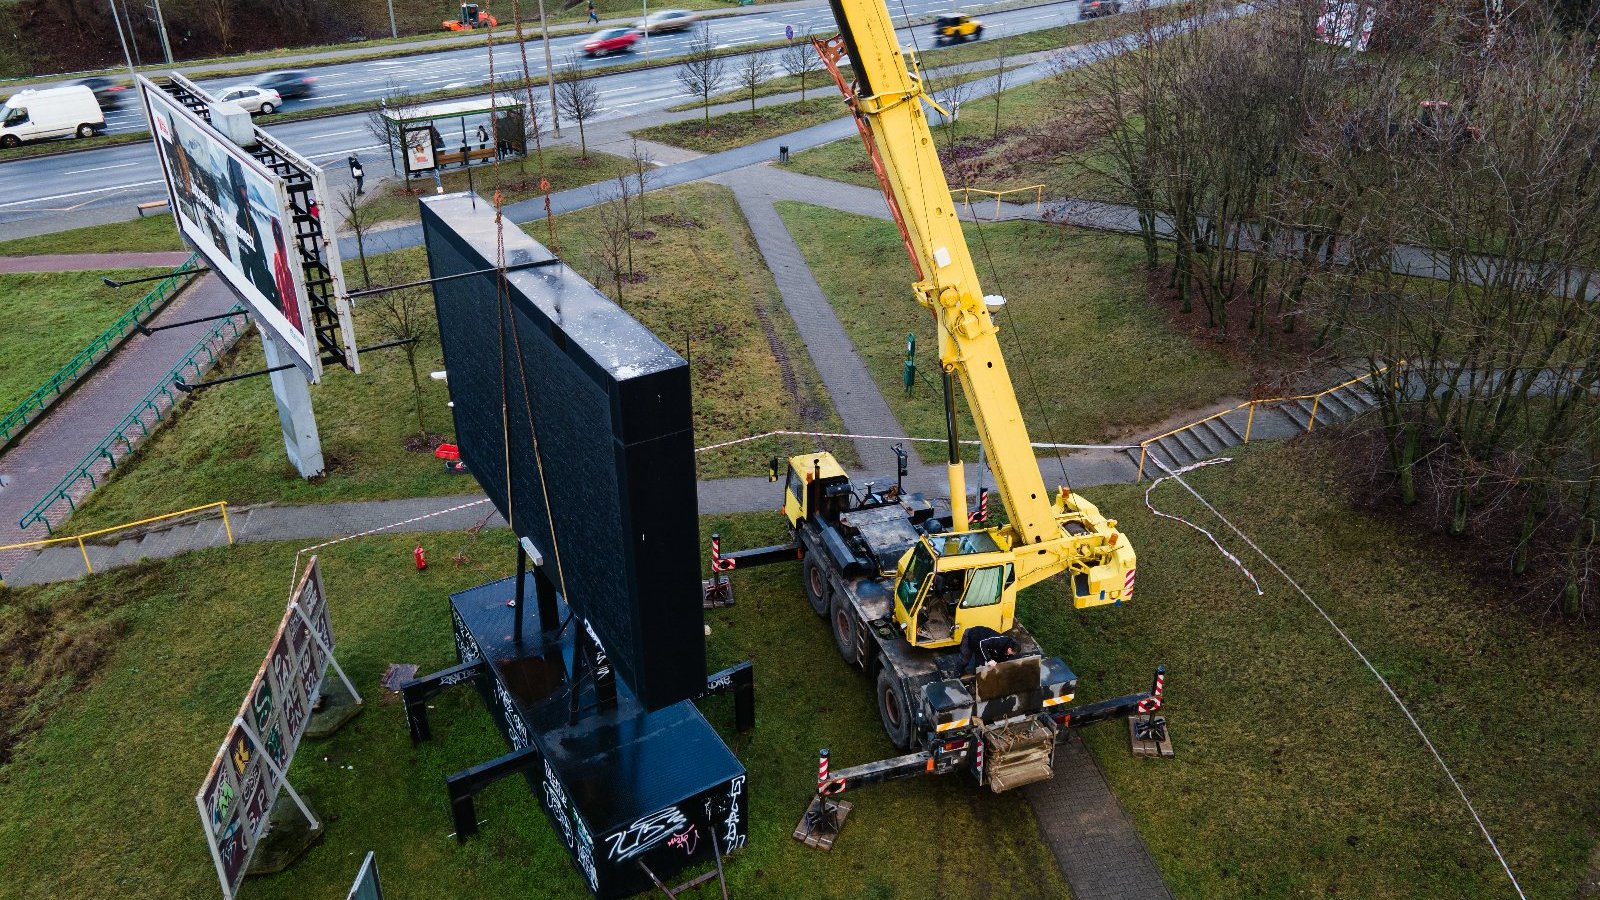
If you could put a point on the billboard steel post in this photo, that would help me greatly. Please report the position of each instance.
(276, 770)
(332, 660)
(292, 390)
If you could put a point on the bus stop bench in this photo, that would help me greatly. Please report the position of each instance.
(151, 206)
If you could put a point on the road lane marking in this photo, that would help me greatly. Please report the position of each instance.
(100, 168)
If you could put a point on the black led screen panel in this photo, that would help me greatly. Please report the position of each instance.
(615, 444)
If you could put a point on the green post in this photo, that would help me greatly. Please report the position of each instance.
(910, 372)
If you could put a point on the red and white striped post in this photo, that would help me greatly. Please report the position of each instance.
(822, 769)
(1153, 702)
(981, 514)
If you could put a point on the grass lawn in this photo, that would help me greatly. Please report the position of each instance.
(129, 744)
(1104, 361)
(48, 318)
(705, 283)
(1037, 143)
(707, 292)
(564, 167)
(736, 129)
(1296, 775)
(152, 232)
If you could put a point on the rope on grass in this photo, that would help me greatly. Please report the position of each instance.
(1209, 536)
(1410, 717)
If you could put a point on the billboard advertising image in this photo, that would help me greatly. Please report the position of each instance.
(237, 214)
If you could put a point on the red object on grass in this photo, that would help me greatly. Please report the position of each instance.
(420, 557)
(447, 451)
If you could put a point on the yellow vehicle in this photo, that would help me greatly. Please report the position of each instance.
(904, 590)
(953, 29)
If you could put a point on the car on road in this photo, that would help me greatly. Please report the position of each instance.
(950, 29)
(37, 115)
(289, 85)
(254, 98)
(1094, 9)
(610, 40)
(666, 20)
(108, 93)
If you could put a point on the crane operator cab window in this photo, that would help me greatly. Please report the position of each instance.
(937, 598)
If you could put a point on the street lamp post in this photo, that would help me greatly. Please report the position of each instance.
(161, 29)
(549, 73)
(393, 31)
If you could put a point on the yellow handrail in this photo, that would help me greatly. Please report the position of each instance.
(221, 505)
(1316, 403)
(967, 192)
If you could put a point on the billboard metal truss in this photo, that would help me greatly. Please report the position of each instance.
(309, 196)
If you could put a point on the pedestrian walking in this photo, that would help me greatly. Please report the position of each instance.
(594, 15)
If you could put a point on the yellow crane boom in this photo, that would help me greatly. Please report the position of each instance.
(1047, 535)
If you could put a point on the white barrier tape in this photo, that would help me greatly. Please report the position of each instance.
(1209, 536)
(888, 437)
(294, 571)
(1415, 725)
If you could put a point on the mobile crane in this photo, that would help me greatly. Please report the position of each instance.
(901, 586)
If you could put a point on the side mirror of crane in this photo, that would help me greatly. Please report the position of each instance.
(772, 469)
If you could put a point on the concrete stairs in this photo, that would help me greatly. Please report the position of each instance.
(1272, 420)
(63, 562)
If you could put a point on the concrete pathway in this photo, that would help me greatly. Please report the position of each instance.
(86, 262)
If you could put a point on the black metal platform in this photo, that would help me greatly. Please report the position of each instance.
(622, 785)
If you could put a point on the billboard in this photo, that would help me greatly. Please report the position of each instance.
(237, 214)
(235, 800)
(1337, 24)
(607, 489)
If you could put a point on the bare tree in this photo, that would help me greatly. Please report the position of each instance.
(220, 13)
(358, 220)
(753, 69)
(642, 164)
(396, 103)
(800, 59)
(615, 226)
(702, 72)
(400, 315)
(953, 87)
(998, 82)
(577, 97)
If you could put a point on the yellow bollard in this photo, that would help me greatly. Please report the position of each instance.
(1317, 401)
(225, 525)
(1143, 449)
(1249, 421)
(85, 551)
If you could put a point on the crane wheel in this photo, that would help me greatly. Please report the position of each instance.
(893, 709)
(816, 582)
(844, 627)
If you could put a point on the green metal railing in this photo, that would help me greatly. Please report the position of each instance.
(118, 444)
(65, 377)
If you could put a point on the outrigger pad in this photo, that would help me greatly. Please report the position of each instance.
(1149, 736)
(715, 593)
(822, 822)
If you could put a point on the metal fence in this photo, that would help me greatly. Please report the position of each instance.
(62, 381)
(221, 506)
(137, 424)
(1250, 419)
(1037, 190)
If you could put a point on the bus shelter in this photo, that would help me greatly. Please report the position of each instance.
(438, 136)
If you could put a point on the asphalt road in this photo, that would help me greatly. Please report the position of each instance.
(129, 174)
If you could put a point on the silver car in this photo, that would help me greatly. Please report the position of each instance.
(255, 99)
(666, 20)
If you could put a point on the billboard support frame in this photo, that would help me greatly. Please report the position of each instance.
(332, 660)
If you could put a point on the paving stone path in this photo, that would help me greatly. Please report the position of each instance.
(82, 262)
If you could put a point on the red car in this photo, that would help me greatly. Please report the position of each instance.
(610, 40)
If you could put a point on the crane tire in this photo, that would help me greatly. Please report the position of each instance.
(893, 709)
(843, 620)
(816, 584)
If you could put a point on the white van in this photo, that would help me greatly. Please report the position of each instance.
(50, 113)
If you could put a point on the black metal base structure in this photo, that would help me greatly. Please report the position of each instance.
(621, 785)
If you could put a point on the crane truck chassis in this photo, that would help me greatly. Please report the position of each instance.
(891, 579)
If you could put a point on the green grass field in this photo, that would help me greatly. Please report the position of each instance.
(1295, 774)
(702, 283)
(708, 293)
(99, 802)
(152, 232)
(48, 318)
(1103, 361)
(736, 129)
(1036, 144)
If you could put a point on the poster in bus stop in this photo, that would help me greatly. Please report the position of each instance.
(235, 800)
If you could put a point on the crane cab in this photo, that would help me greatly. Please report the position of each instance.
(815, 487)
(953, 581)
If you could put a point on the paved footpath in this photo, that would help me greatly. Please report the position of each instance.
(78, 422)
(84, 262)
